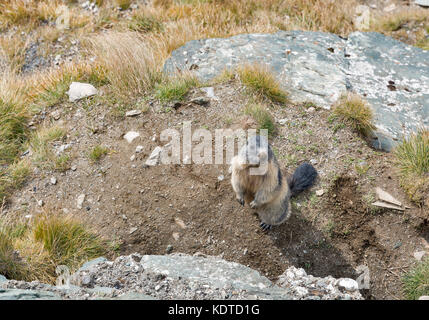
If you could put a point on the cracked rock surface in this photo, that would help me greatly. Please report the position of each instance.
(316, 66)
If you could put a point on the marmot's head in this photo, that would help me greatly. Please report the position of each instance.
(255, 152)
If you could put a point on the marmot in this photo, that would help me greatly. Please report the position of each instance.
(269, 193)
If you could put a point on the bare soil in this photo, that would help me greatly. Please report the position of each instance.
(190, 208)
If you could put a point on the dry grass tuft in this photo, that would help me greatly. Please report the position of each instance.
(260, 81)
(32, 250)
(262, 116)
(412, 159)
(355, 112)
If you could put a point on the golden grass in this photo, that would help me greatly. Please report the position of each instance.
(355, 112)
(260, 80)
(411, 157)
(32, 250)
(131, 65)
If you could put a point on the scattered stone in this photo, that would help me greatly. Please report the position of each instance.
(424, 297)
(169, 248)
(176, 236)
(311, 110)
(201, 101)
(132, 157)
(313, 161)
(210, 92)
(80, 200)
(320, 192)
(397, 245)
(390, 8)
(79, 90)
(154, 157)
(180, 223)
(348, 284)
(132, 113)
(139, 149)
(131, 135)
(419, 255)
(283, 121)
(386, 205)
(56, 114)
(221, 177)
(62, 148)
(132, 230)
(386, 197)
(73, 168)
(53, 180)
(40, 203)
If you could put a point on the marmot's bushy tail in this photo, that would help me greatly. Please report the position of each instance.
(303, 178)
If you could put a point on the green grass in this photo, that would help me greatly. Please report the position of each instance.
(41, 145)
(411, 157)
(353, 111)
(175, 89)
(416, 281)
(32, 250)
(262, 116)
(97, 153)
(145, 23)
(13, 130)
(13, 177)
(260, 81)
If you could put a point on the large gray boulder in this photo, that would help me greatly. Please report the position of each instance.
(319, 67)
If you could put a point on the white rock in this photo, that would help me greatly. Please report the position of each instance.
(139, 149)
(320, 192)
(423, 3)
(301, 291)
(80, 200)
(79, 90)
(131, 135)
(154, 157)
(133, 113)
(390, 8)
(221, 177)
(132, 230)
(311, 109)
(419, 255)
(132, 157)
(424, 298)
(210, 92)
(282, 121)
(347, 284)
(40, 203)
(53, 180)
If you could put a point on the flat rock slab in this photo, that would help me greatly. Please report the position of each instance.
(215, 272)
(20, 294)
(318, 67)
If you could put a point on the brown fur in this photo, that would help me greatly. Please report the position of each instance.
(262, 192)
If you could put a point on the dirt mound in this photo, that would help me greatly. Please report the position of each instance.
(192, 208)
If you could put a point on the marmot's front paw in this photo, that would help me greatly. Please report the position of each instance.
(253, 204)
(241, 201)
(265, 227)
